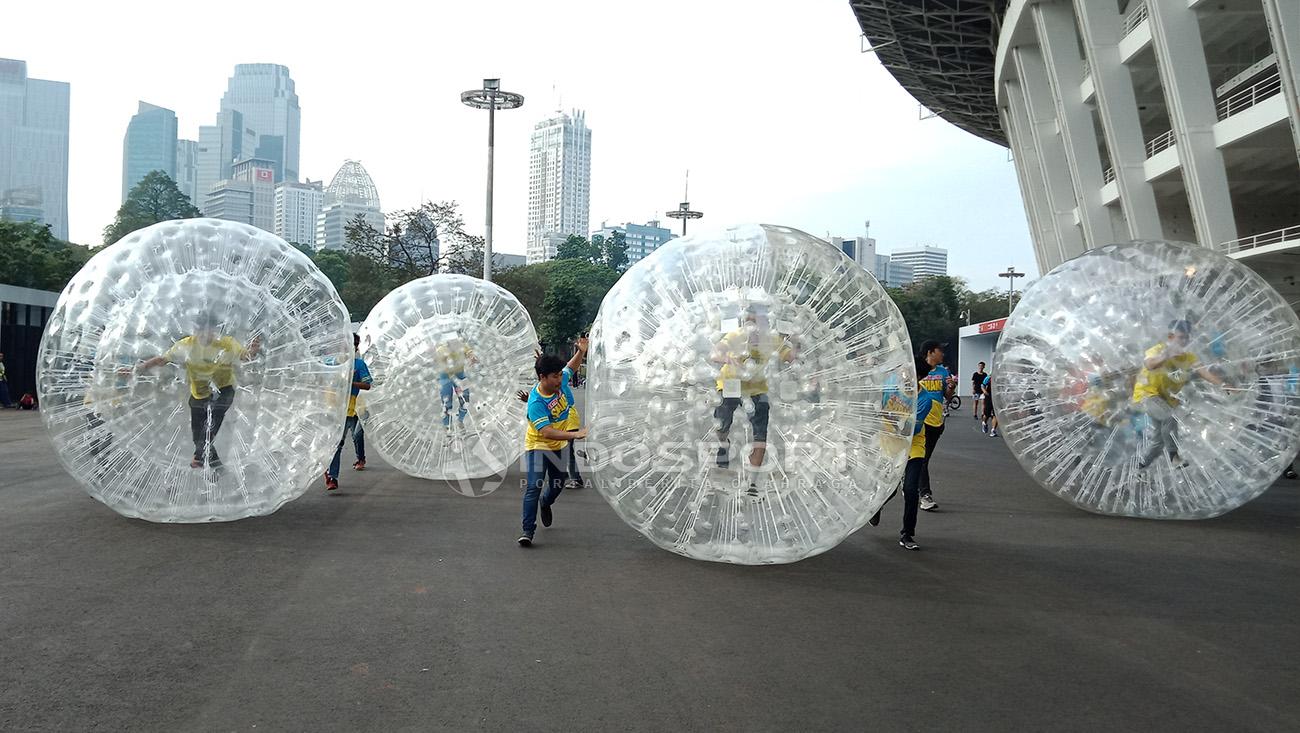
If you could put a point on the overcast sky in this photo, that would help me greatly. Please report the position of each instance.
(770, 104)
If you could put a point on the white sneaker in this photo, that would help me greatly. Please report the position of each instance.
(928, 504)
(993, 433)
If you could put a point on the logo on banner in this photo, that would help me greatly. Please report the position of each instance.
(265, 174)
(993, 326)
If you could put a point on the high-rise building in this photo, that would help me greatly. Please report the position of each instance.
(926, 261)
(297, 206)
(641, 239)
(149, 145)
(248, 196)
(861, 250)
(34, 145)
(220, 146)
(351, 193)
(891, 274)
(264, 94)
(559, 183)
(187, 169)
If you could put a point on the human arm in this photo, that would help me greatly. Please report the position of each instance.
(254, 348)
(361, 376)
(522, 395)
(576, 360)
(550, 432)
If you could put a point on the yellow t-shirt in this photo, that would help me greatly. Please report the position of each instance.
(543, 410)
(1166, 380)
(453, 358)
(739, 345)
(207, 364)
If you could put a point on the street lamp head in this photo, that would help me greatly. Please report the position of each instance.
(491, 97)
(492, 84)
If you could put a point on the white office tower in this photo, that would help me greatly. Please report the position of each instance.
(927, 261)
(861, 250)
(559, 183)
(187, 169)
(248, 196)
(297, 206)
(351, 193)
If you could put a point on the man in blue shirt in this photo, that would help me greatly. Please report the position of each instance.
(549, 408)
(360, 380)
(935, 386)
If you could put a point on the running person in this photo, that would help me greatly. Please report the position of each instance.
(977, 390)
(360, 380)
(936, 386)
(548, 410)
(209, 360)
(452, 358)
(1166, 369)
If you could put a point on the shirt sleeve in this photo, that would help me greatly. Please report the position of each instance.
(361, 372)
(566, 376)
(538, 416)
(175, 353)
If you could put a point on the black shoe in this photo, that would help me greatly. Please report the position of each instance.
(546, 516)
(1290, 473)
(525, 539)
(907, 543)
(723, 460)
(875, 519)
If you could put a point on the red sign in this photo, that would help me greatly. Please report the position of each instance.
(265, 174)
(993, 326)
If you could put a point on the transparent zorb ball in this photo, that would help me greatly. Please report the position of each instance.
(447, 354)
(752, 396)
(1151, 379)
(196, 370)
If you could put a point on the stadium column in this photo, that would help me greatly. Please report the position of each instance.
(1185, 76)
(1058, 43)
(1041, 112)
(1101, 28)
(1029, 169)
(1284, 33)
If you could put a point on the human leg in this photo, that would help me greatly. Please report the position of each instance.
(723, 415)
(445, 390)
(535, 464)
(359, 440)
(758, 422)
(932, 434)
(911, 497)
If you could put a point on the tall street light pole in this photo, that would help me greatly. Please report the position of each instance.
(491, 98)
(1011, 276)
(683, 210)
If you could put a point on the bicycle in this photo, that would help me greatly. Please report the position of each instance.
(952, 405)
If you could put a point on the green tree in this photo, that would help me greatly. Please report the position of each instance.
(155, 198)
(932, 310)
(529, 284)
(416, 242)
(336, 265)
(31, 257)
(609, 251)
(572, 300)
(987, 305)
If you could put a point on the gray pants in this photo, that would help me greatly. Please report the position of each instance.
(1160, 431)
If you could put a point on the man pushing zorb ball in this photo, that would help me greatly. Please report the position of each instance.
(196, 370)
(1151, 379)
(751, 396)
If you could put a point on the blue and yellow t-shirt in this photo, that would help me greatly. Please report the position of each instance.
(360, 373)
(929, 396)
(553, 409)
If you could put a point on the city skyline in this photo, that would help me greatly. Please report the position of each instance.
(559, 183)
(820, 169)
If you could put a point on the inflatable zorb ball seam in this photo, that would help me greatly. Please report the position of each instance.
(1151, 379)
(758, 337)
(197, 370)
(447, 354)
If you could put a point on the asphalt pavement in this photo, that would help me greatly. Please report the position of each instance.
(396, 604)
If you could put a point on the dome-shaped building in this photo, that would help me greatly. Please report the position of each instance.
(351, 193)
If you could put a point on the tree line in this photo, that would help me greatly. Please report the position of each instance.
(561, 295)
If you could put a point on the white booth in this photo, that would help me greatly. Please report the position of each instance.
(976, 343)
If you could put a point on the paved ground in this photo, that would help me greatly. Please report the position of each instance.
(398, 605)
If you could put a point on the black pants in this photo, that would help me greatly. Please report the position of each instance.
(206, 416)
(931, 439)
(573, 461)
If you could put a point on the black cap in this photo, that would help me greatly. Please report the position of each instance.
(930, 345)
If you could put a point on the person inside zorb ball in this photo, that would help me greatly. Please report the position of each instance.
(751, 396)
(1151, 379)
(447, 354)
(193, 371)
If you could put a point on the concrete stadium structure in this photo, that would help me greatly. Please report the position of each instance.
(1136, 119)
